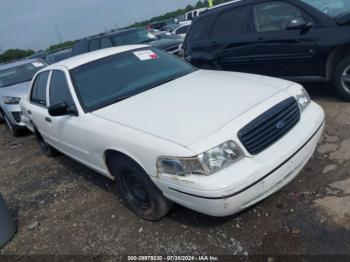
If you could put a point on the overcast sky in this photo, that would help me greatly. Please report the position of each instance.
(31, 23)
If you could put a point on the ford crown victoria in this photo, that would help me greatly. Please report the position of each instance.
(215, 142)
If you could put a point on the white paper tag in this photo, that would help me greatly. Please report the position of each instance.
(146, 55)
(37, 64)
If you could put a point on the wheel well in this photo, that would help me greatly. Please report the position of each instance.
(335, 57)
(37, 134)
(110, 154)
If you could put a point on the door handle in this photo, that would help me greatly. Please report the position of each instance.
(29, 112)
(48, 119)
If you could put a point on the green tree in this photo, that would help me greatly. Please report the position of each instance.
(13, 54)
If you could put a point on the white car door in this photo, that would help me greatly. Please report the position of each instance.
(37, 112)
(67, 133)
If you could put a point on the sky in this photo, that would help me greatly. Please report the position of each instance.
(30, 24)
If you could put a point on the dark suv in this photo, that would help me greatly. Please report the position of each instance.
(301, 40)
(126, 37)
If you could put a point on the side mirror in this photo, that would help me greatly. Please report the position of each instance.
(62, 109)
(296, 23)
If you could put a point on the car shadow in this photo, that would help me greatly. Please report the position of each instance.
(86, 173)
(178, 214)
(321, 91)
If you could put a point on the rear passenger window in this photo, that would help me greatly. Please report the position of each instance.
(38, 94)
(232, 23)
(200, 29)
(106, 42)
(94, 45)
(59, 89)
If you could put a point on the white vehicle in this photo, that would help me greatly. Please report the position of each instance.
(181, 31)
(215, 142)
(192, 14)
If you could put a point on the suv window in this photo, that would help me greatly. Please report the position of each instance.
(38, 94)
(199, 29)
(231, 23)
(182, 30)
(106, 42)
(59, 89)
(80, 48)
(274, 16)
(94, 45)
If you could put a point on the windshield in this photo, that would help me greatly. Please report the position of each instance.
(133, 37)
(114, 78)
(333, 8)
(19, 74)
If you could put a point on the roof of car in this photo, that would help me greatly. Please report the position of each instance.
(17, 63)
(85, 58)
(111, 33)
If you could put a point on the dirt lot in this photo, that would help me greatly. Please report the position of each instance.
(61, 207)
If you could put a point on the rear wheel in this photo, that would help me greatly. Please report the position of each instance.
(47, 150)
(13, 129)
(137, 190)
(342, 79)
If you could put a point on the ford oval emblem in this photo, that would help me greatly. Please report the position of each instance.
(280, 124)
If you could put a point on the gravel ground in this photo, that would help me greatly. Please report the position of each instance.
(63, 208)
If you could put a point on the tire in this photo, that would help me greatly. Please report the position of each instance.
(137, 191)
(1, 116)
(341, 79)
(13, 129)
(46, 149)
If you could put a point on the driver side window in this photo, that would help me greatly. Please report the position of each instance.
(59, 89)
(274, 16)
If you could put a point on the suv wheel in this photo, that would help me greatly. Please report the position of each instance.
(14, 131)
(2, 118)
(137, 190)
(342, 79)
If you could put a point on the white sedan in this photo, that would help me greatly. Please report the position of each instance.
(215, 142)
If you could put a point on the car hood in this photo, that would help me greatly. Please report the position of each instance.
(166, 43)
(19, 90)
(192, 107)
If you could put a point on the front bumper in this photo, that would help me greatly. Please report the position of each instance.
(251, 179)
(14, 114)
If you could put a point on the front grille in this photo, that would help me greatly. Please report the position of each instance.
(269, 127)
(17, 116)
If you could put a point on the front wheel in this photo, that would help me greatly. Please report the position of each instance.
(138, 191)
(342, 79)
(14, 131)
(2, 118)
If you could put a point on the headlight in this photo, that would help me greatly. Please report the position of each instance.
(303, 99)
(10, 100)
(206, 163)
